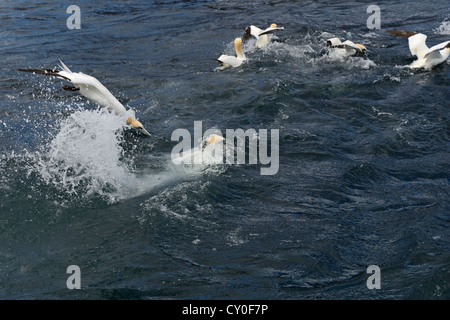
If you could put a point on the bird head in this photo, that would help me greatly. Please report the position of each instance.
(238, 48)
(273, 25)
(138, 126)
(363, 48)
(214, 138)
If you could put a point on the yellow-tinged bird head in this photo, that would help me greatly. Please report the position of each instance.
(273, 25)
(238, 47)
(214, 138)
(137, 125)
(363, 48)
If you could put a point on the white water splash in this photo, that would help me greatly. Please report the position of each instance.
(312, 51)
(86, 159)
(444, 28)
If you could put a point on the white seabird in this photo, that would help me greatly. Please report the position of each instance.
(263, 37)
(426, 57)
(232, 61)
(92, 89)
(212, 139)
(348, 47)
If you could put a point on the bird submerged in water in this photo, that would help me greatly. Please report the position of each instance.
(427, 58)
(348, 47)
(92, 89)
(232, 61)
(263, 37)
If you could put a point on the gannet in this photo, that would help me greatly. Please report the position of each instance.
(263, 37)
(426, 57)
(232, 61)
(92, 89)
(212, 139)
(348, 47)
(204, 153)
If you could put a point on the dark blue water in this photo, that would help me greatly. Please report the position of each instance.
(363, 173)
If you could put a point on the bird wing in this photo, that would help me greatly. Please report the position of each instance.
(401, 33)
(348, 45)
(417, 45)
(416, 41)
(433, 55)
(440, 46)
(270, 30)
(333, 42)
(47, 72)
(92, 89)
(255, 31)
(88, 86)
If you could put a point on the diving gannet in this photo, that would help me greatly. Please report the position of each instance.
(348, 47)
(232, 61)
(263, 37)
(426, 57)
(92, 89)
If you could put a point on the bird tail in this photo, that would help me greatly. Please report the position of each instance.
(64, 67)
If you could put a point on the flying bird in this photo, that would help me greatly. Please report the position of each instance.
(263, 37)
(232, 61)
(92, 89)
(427, 58)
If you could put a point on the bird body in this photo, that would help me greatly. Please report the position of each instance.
(263, 37)
(232, 61)
(427, 58)
(348, 47)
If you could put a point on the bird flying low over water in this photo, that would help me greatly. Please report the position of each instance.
(426, 57)
(92, 89)
(263, 37)
(349, 47)
(232, 61)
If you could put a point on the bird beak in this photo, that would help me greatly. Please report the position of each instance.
(143, 131)
(138, 126)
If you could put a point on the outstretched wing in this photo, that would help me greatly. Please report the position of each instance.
(349, 45)
(416, 41)
(87, 85)
(401, 33)
(270, 30)
(417, 45)
(47, 72)
(440, 46)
